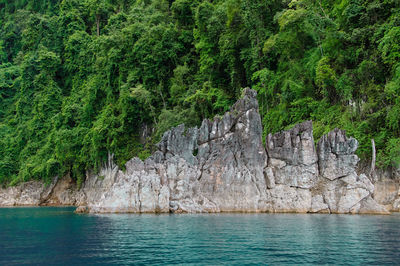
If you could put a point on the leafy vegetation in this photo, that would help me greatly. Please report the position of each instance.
(80, 79)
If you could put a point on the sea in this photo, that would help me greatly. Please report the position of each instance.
(58, 236)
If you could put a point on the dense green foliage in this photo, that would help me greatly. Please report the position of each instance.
(80, 78)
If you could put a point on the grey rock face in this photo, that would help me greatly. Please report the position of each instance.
(179, 142)
(341, 188)
(370, 204)
(292, 159)
(217, 167)
(222, 167)
(25, 194)
(61, 191)
(34, 193)
(294, 146)
(283, 198)
(231, 161)
(336, 154)
(301, 178)
(137, 190)
(318, 205)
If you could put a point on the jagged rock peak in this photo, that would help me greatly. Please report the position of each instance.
(246, 102)
(185, 142)
(338, 143)
(295, 146)
(179, 141)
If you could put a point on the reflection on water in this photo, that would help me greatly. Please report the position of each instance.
(58, 236)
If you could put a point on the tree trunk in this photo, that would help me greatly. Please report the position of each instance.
(373, 161)
(98, 24)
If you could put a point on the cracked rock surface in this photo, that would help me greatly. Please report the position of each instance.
(222, 167)
(292, 158)
(341, 188)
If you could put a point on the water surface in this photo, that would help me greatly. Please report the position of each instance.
(58, 236)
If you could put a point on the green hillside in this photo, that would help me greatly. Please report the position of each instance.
(80, 78)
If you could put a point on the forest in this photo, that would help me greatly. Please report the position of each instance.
(80, 79)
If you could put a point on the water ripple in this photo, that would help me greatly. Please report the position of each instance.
(57, 236)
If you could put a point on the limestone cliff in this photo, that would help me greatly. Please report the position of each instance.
(223, 167)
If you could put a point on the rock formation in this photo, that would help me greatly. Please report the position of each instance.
(341, 189)
(26, 194)
(292, 168)
(217, 167)
(222, 167)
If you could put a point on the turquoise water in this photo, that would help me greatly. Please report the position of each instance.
(58, 236)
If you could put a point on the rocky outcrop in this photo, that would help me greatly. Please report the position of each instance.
(63, 191)
(139, 189)
(60, 192)
(292, 168)
(341, 189)
(222, 167)
(217, 167)
(302, 178)
(25, 194)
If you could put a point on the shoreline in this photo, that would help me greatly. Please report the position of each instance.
(198, 213)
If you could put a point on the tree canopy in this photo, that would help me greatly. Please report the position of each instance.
(80, 79)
